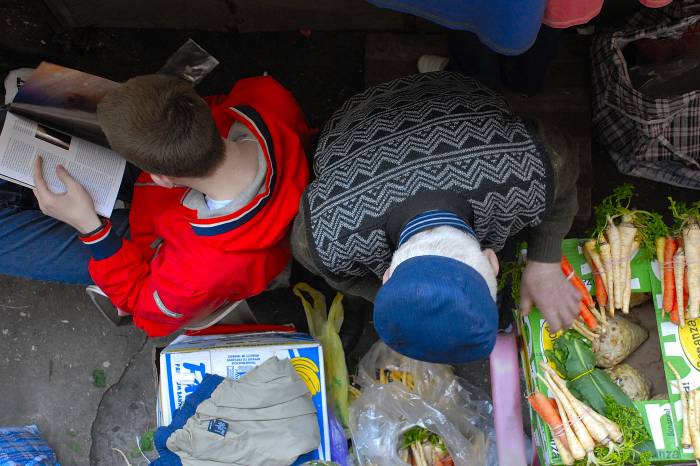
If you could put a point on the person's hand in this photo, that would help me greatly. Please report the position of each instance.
(545, 286)
(74, 207)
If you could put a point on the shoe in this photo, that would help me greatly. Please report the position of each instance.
(428, 63)
(111, 312)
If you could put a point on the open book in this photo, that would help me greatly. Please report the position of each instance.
(54, 116)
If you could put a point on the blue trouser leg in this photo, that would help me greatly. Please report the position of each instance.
(36, 246)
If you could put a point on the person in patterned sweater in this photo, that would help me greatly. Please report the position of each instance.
(419, 182)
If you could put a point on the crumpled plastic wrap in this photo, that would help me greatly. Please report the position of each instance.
(436, 400)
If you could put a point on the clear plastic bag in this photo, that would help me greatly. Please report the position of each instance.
(436, 400)
(190, 62)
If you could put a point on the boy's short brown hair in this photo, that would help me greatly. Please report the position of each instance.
(160, 124)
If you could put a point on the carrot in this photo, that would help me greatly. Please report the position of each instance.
(547, 408)
(678, 269)
(600, 294)
(606, 256)
(691, 241)
(669, 293)
(587, 316)
(575, 280)
(673, 315)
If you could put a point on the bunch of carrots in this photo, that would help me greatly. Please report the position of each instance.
(679, 256)
(576, 428)
(593, 319)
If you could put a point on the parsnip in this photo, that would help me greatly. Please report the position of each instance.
(691, 242)
(616, 249)
(684, 407)
(564, 453)
(628, 277)
(678, 271)
(596, 430)
(606, 256)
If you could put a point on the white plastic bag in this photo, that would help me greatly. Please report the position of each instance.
(436, 400)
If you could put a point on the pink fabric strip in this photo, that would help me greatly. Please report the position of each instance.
(562, 14)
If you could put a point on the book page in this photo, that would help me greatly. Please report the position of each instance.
(98, 169)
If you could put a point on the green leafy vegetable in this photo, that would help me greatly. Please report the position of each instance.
(683, 213)
(635, 439)
(613, 205)
(650, 225)
(418, 434)
(575, 359)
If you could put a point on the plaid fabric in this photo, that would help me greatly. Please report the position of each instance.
(23, 446)
(653, 138)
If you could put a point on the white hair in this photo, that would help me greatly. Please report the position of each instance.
(449, 242)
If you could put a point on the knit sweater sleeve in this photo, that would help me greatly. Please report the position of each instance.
(545, 239)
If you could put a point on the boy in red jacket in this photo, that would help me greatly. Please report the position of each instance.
(210, 212)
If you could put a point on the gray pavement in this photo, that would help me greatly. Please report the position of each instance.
(51, 341)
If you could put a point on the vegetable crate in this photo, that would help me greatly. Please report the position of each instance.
(680, 346)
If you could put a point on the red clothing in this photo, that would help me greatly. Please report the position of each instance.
(178, 266)
(562, 14)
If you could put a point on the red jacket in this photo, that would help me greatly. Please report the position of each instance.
(177, 266)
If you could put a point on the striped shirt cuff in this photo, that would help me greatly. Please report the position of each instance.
(103, 242)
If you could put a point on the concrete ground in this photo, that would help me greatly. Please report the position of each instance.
(51, 338)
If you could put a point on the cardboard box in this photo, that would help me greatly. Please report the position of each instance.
(682, 348)
(184, 362)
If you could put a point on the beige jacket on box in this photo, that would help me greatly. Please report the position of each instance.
(267, 418)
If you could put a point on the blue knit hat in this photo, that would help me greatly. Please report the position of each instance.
(437, 309)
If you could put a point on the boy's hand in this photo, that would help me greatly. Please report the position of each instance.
(74, 207)
(545, 286)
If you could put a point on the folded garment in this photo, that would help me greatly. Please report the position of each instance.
(266, 418)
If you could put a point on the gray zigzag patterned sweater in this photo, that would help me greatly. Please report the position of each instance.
(427, 141)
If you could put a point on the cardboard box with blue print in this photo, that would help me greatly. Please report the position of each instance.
(184, 362)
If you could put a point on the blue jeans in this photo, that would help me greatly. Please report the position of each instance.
(36, 246)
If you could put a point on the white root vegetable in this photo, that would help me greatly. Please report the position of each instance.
(613, 429)
(564, 453)
(575, 447)
(678, 271)
(691, 241)
(628, 277)
(616, 250)
(684, 407)
(596, 430)
(606, 256)
(693, 424)
(584, 331)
